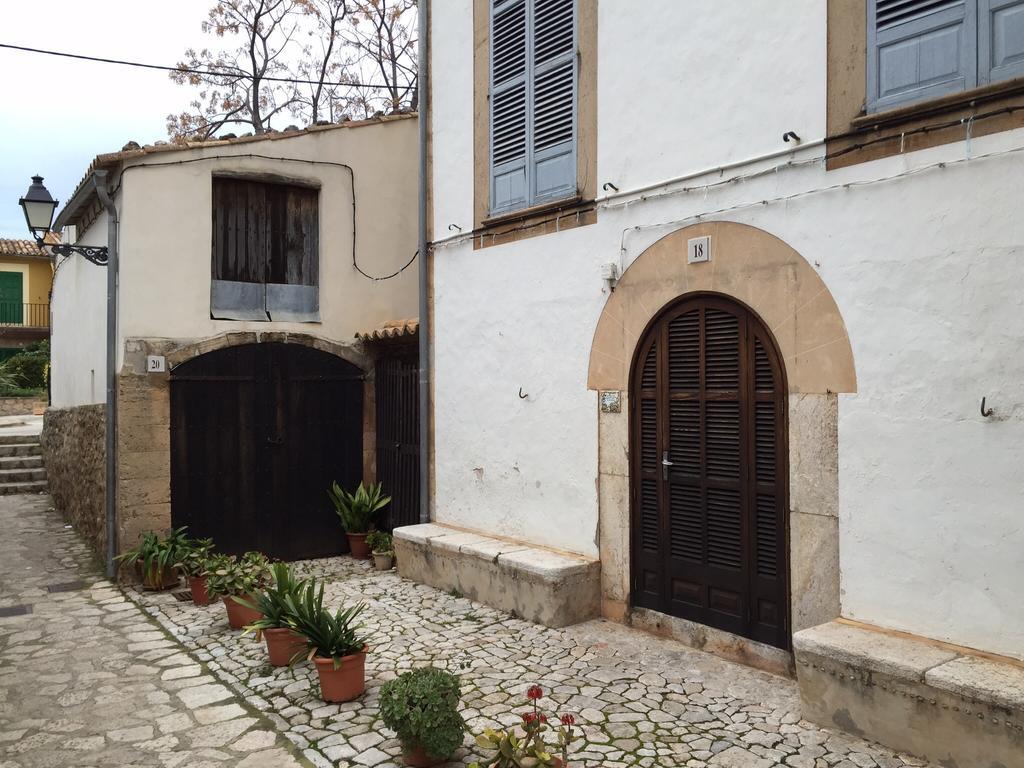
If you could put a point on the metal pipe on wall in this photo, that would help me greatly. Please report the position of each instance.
(424, 273)
(100, 181)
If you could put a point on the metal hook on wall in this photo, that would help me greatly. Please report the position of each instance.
(522, 395)
(985, 413)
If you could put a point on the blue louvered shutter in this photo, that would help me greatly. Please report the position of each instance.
(509, 105)
(532, 102)
(554, 100)
(920, 49)
(1001, 40)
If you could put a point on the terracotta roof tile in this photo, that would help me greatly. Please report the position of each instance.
(10, 247)
(393, 329)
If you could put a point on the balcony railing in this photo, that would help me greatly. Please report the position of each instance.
(24, 315)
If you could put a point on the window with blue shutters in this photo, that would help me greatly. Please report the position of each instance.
(533, 86)
(923, 49)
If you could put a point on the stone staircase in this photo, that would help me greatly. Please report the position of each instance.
(21, 465)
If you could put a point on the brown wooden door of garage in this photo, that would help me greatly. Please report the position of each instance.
(709, 471)
(258, 433)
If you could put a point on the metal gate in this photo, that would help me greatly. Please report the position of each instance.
(398, 437)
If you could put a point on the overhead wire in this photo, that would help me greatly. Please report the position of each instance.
(185, 70)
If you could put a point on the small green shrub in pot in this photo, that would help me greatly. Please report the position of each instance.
(422, 707)
(358, 511)
(382, 548)
(157, 558)
(284, 644)
(194, 561)
(235, 578)
(335, 642)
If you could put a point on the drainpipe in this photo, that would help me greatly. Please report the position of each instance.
(424, 329)
(100, 180)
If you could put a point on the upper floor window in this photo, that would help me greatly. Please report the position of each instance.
(533, 102)
(265, 251)
(921, 49)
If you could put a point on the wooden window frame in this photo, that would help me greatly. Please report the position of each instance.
(854, 136)
(284, 299)
(577, 208)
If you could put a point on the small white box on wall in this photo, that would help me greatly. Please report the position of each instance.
(156, 364)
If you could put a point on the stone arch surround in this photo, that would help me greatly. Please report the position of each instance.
(778, 284)
(144, 417)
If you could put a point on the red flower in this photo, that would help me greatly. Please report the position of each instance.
(533, 717)
(568, 719)
(534, 692)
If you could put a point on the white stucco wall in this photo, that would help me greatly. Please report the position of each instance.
(926, 269)
(166, 230)
(78, 339)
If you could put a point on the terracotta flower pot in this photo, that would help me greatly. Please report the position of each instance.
(383, 561)
(199, 594)
(357, 546)
(283, 645)
(345, 683)
(239, 615)
(157, 579)
(417, 758)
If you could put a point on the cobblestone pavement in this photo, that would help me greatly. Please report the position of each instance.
(643, 701)
(87, 679)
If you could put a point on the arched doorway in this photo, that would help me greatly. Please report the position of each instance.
(710, 470)
(258, 432)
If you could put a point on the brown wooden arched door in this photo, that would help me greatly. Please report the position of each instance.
(258, 433)
(710, 470)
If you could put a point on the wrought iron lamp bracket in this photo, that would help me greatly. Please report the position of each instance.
(96, 254)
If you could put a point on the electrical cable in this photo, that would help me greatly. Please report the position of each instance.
(183, 70)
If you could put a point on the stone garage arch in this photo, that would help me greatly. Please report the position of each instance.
(786, 292)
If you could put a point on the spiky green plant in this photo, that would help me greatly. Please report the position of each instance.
(154, 554)
(272, 601)
(328, 635)
(358, 510)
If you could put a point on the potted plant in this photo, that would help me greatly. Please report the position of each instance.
(284, 644)
(381, 546)
(194, 563)
(530, 747)
(155, 558)
(357, 512)
(235, 580)
(422, 707)
(334, 642)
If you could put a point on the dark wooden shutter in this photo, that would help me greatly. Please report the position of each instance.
(709, 489)
(920, 49)
(265, 251)
(533, 78)
(1001, 40)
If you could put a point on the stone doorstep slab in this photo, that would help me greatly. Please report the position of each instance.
(973, 677)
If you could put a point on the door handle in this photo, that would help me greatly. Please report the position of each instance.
(665, 464)
(275, 441)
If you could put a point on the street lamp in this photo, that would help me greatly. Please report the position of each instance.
(39, 206)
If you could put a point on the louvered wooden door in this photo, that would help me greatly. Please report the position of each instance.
(710, 472)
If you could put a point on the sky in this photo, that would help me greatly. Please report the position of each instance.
(57, 114)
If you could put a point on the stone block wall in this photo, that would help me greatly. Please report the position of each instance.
(75, 456)
(21, 406)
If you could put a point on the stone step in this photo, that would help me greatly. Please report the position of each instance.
(21, 462)
(18, 439)
(8, 489)
(22, 475)
(21, 449)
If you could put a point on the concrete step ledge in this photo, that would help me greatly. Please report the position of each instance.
(947, 704)
(16, 439)
(538, 584)
(21, 462)
(31, 486)
(21, 449)
(8, 475)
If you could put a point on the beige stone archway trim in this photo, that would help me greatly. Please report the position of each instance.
(747, 264)
(184, 352)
